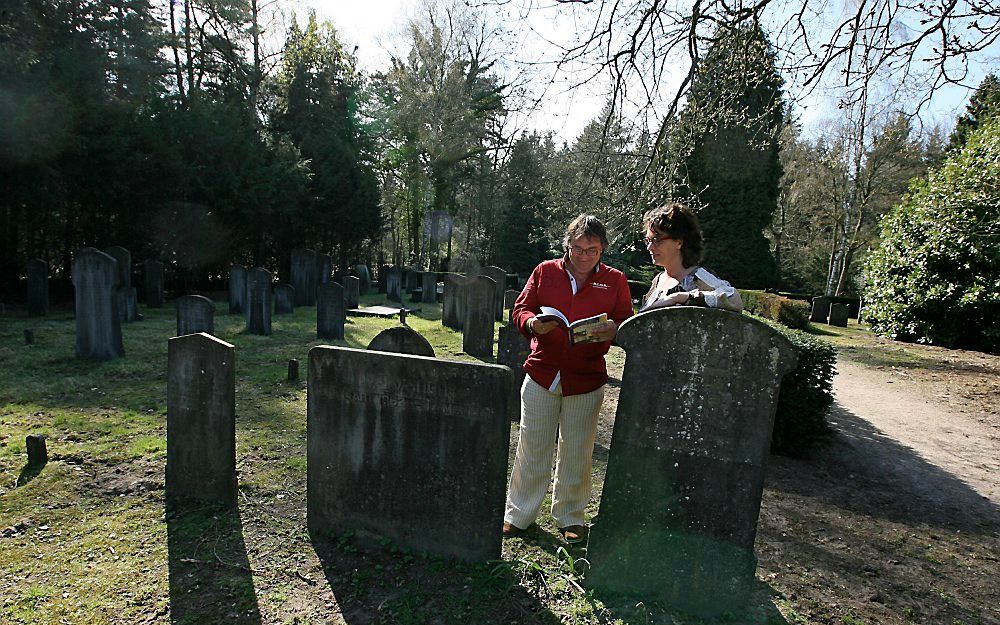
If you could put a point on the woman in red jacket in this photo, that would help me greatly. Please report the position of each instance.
(564, 385)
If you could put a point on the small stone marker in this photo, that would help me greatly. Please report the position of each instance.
(365, 276)
(330, 312)
(428, 287)
(195, 313)
(838, 315)
(500, 277)
(284, 299)
(678, 514)
(152, 274)
(38, 288)
(480, 317)
(352, 291)
(304, 280)
(201, 419)
(34, 444)
(409, 449)
(29, 337)
(258, 314)
(453, 301)
(324, 267)
(293, 370)
(820, 309)
(393, 285)
(402, 316)
(402, 339)
(237, 290)
(98, 325)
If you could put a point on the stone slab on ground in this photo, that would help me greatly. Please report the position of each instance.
(380, 311)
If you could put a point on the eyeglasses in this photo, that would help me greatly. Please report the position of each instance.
(656, 240)
(590, 251)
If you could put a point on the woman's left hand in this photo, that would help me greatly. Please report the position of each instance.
(607, 332)
(674, 299)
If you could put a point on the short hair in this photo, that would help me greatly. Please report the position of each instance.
(585, 226)
(676, 221)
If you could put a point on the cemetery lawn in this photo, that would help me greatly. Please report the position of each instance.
(87, 539)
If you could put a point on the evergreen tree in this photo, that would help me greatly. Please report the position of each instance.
(523, 242)
(984, 104)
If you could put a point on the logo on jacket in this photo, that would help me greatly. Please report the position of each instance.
(600, 285)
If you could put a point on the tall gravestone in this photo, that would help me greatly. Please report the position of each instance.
(394, 285)
(304, 277)
(820, 309)
(428, 287)
(409, 449)
(330, 312)
(98, 324)
(480, 316)
(678, 513)
(383, 272)
(324, 268)
(512, 350)
(195, 313)
(201, 419)
(411, 279)
(258, 315)
(237, 290)
(128, 308)
(500, 277)
(838, 315)
(509, 297)
(453, 301)
(152, 274)
(38, 287)
(284, 299)
(352, 291)
(402, 339)
(365, 276)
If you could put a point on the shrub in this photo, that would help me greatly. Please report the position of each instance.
(789, 313)
(800, 423)
(933, 278)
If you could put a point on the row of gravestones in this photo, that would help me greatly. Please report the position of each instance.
(252, 293)
(415, 449)
(825, 310)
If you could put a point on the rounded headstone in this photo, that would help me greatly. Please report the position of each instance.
(401, 340)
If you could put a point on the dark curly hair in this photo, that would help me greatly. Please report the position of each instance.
(676, 221)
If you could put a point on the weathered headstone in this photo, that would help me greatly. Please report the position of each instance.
(284, 299)
(304, 277)
(428, 287)
(330, 311)
(465, 265)
(394, 285)
(29, 337)
(34, 444)
(153, 276)
(258, 315)
(509, 297)
(681, 498)
(412, 278)
(838, 315)
(382, 274)
(453, 301)
(293, 370)
(365, 276)
(500, 277)
(128, 308)
(195, 313)
(480, 316)
(237, 290)
(38, 287)
(409, 449)
(402, 339)
(201, 419)
(98, 325)
(820, 310)
(352, 291)
(512, 350)
(324, 267)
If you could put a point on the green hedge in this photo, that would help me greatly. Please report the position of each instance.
(800, 423)
(788, 312)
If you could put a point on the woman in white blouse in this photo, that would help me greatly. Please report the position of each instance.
(675, 243)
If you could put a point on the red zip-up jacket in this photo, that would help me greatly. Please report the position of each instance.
(582, 366)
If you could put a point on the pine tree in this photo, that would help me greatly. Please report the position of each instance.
(983, 104)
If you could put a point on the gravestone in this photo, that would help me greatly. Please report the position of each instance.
(98, 324)
(293, 370)
(38, 287)
(393, 285)
(509, 297)
(512, 350)
(820, 310)
(453, 301)
(195, 313)
(465, 265)
(428, 287)
(352, 291)
(678, 513)
(330, 312)
(480, 316)
(324, 267)
(201, 419)
(412, 280)
(838, 315)
(153, 276)
(402, 339)
(365, 276)
(500, 277)
(128, 309)
(38, 455)
(382, 273)
(258, 315)
(237, 290)
(303, 272)
(407, 449)
(284, 299)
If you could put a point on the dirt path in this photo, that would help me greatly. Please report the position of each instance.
(903, 424)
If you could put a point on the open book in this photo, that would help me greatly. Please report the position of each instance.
(581, 330)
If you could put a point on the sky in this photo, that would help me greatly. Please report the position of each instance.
(377, 28)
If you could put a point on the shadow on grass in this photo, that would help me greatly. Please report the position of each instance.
(28, 473)
(210, 576)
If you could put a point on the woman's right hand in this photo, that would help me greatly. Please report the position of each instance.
(539, 328)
